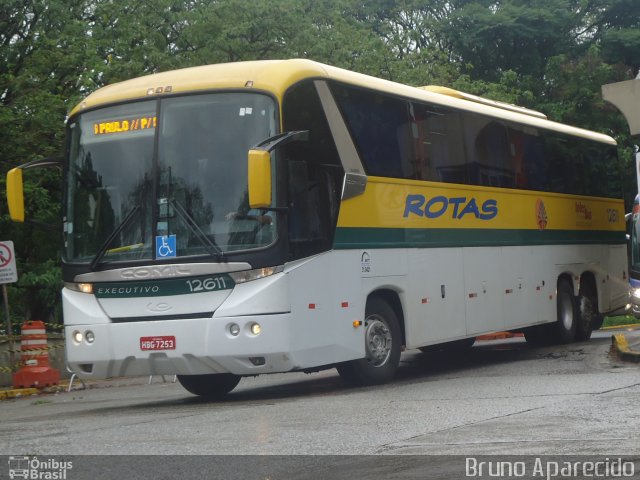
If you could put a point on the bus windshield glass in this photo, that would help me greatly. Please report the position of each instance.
(165, 179)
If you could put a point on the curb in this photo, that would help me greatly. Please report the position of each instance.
(18, 392)
(25, 392)
(620, 345)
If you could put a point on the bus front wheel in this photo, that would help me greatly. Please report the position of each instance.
(209, 385)
(382, 347)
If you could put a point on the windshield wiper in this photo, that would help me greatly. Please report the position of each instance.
(105, 246)
(212, 248)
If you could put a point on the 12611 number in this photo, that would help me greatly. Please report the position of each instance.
(158, 343)
(207, 284)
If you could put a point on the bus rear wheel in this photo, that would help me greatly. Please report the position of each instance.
(567, 323)
(589, 318)
(563, 330)
(382, 347)
(209, 385)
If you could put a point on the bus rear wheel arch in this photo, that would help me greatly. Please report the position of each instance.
(563, 330)
(383, 345)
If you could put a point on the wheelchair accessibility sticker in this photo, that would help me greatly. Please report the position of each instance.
(165, 246)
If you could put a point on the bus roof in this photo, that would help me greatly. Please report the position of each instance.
(276, 76)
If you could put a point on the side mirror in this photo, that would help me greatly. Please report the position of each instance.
(259, 179)
(15, 194)
(260, 166)
(15, 188)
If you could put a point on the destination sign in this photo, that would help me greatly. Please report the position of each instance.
(124, 125)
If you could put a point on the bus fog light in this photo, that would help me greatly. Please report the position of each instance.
(77, 336)
(89, 336)
(257, 361)
(255, 328)
(234, 329)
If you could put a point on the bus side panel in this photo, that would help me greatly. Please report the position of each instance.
(616, 291)
(435, 286)
(483, 278)
(519, 288)
(326, 298)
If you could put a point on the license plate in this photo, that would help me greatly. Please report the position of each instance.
(158, 343)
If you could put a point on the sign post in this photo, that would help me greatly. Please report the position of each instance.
(8, 274)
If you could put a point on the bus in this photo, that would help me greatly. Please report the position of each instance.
(257, 217)
(633, 235)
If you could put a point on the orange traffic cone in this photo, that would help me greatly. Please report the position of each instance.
(35, 370)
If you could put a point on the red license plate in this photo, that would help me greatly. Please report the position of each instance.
(158, 343)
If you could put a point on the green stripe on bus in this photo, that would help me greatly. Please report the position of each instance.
(164, 287)
(351, 237)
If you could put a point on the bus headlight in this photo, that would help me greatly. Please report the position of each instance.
(80, 287)
(635, 293)
(250, 275)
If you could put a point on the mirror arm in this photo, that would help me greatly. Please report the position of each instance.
(44, 162)
(272, 143)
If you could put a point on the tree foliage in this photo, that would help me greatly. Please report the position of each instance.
(549, 55)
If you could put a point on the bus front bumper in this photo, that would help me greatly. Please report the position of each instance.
(182, 347)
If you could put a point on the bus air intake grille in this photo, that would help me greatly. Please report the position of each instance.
(159, 318)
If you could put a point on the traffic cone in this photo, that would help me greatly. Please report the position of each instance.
(34, 353)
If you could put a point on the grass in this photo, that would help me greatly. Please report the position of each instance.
(621, 320)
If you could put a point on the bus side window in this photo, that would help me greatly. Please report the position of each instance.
(304, 223)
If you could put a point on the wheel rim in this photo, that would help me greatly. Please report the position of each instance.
(566, 312)
(378, 341)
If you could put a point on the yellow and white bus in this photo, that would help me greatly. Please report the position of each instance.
(258, 217)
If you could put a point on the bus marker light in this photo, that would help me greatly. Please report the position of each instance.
(344, 304)
(256, 328)
(312, 306)
(426, 300)
(357, 323)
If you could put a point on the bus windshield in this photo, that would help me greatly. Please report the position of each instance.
(167, 178)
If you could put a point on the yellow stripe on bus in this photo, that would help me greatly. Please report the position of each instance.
(397, 203)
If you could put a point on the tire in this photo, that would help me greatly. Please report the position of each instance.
(382, 347)
(563, 330)
(589, 318)
(212, 386)
(566, 325)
